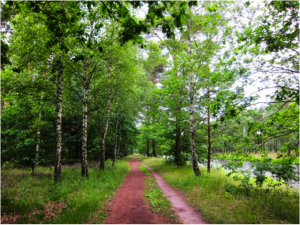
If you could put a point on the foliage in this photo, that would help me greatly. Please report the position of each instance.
(186, 87)
(275, 34)
(184, 159)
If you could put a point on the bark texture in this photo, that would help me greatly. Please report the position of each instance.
(57, 166)
(84, 169)
(208, 132)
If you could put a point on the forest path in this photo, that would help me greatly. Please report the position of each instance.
(128, 206)
(186, 213)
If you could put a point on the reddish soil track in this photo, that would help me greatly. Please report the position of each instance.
(129, 206)
(186, 213)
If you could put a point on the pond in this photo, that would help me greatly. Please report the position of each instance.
(247, 165)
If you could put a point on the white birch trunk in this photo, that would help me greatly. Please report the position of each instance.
(57, 166)
(192, 129)
(84, 169)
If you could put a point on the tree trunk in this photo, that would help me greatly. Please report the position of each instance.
(57, 166)
(177, 145)
(118, 150)
(154, 148)
(116, 139)
(208, 132)
(148, 147)
(126, 147)
(153, 140)
(102, 161)
(192, 129)
(84, 169)
(37, 148)
(178, 109)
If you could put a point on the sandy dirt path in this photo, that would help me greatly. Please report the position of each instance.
(186, 213)
(128, 206)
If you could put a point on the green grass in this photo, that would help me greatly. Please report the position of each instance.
(144, 169)
(37, 199)
(210, 195)
(158, 201)
(156, 198)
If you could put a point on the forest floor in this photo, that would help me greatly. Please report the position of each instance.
(130, 207)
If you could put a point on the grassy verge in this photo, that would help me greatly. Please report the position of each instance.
(210, 195)
(158, 201)
(27, 198)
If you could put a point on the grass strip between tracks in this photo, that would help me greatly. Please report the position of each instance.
(158, 201)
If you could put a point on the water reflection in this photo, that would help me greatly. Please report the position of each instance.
(247, 165)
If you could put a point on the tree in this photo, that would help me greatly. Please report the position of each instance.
(173, 90)
(39, 61)
(275, 34)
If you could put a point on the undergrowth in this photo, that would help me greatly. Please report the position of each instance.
(210, 194)
(37, 199)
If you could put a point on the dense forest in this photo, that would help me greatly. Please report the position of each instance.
(95, 80)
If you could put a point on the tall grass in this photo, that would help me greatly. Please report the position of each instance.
(37, 199)
(210, 195)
